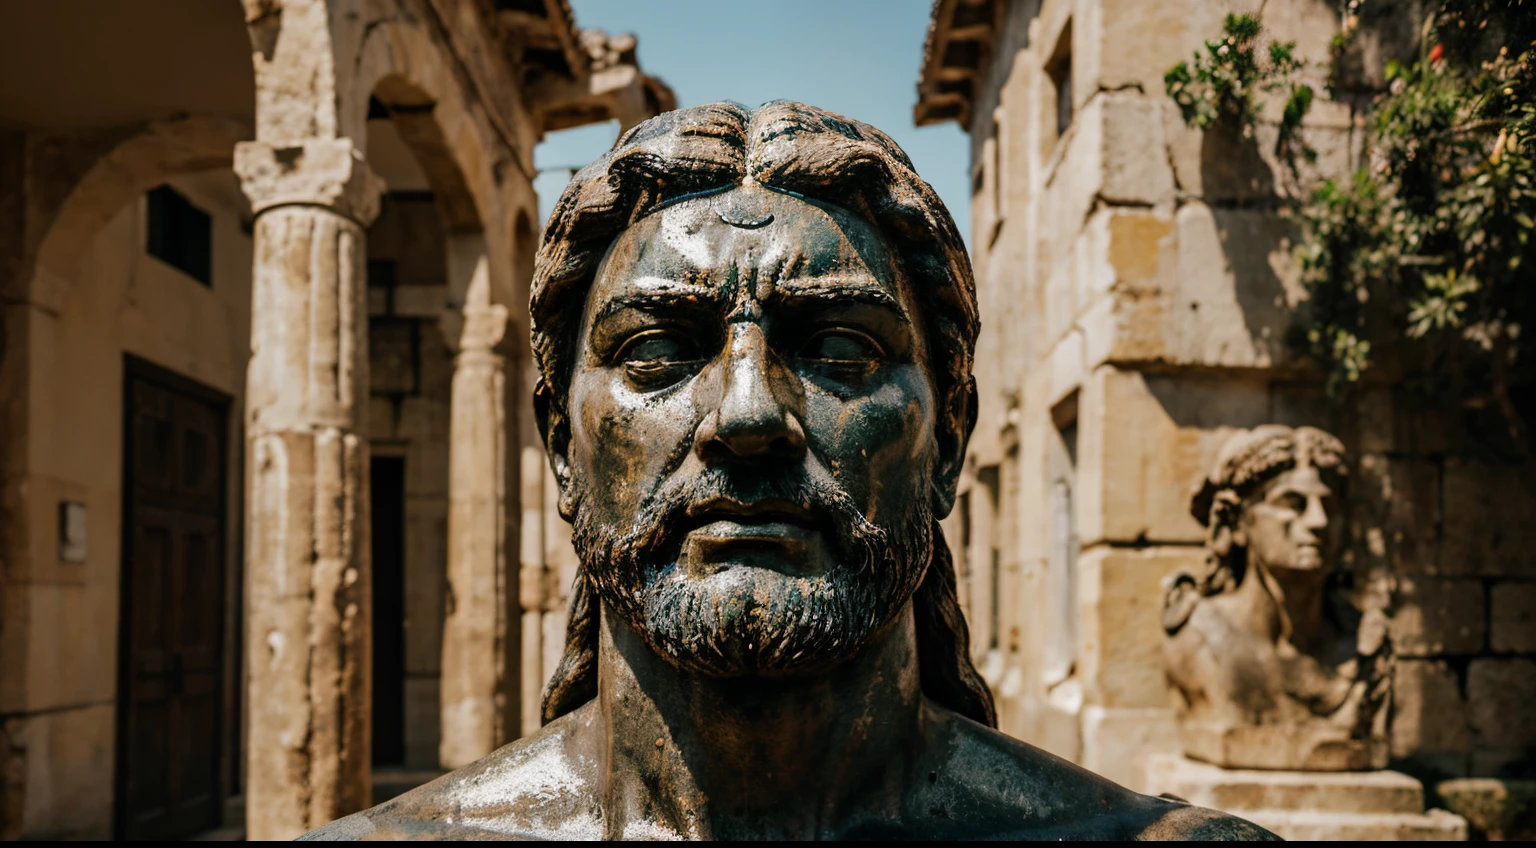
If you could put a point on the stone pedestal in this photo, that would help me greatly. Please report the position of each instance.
(1360, 805)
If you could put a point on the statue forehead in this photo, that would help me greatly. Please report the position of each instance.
(750, 229)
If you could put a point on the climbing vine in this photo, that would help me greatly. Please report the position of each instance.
(1426, 250)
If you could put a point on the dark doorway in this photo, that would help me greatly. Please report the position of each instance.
(388, 495)
(171, 668)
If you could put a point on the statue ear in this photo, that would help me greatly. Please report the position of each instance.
(952, 442)
(556, 433)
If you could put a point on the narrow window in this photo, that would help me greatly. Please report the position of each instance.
(1058, 73)
(180, 234)
(1062, 565)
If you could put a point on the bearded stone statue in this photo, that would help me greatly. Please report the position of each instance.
(1281, 662)
(755, 330)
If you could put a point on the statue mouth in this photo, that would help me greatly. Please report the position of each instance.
(720, 533)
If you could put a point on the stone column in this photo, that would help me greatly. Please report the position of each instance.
(477, 693)
(307, 563)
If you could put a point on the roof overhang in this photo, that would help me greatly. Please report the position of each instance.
(573, 77)
(955, 54)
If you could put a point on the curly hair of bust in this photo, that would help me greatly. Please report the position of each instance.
(806, 152)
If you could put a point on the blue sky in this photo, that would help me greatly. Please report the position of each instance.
(856, 57)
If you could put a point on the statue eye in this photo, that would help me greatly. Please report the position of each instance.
(843, 345)
(655, 359)
(657, 347)
(1292, 501)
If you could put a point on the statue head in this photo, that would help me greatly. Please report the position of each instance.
(754, 332)
(1268, 502)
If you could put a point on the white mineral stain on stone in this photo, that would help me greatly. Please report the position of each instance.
(537, 779)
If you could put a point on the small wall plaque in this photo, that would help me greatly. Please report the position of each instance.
(72, 536)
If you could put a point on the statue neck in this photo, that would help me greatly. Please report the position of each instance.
(1299, 594)
(789, 758)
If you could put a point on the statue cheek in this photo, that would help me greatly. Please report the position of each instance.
(625, 438)
(886, 434)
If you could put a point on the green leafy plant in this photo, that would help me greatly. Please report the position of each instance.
(1222, 84)
(1427, 249)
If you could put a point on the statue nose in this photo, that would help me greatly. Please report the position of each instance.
(758, 413)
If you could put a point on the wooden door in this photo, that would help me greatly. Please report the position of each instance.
(171, 675)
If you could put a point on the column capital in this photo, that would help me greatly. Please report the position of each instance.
(475, 328)
(330, 173)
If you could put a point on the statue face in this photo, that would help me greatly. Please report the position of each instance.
(1288, 526)
(752, 434)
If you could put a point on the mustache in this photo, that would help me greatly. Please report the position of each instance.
(664, 518)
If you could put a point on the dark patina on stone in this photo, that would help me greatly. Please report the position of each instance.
(755, 332)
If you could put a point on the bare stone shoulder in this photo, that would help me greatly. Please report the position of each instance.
(539, 787)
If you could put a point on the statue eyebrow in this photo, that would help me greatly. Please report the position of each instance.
(660, 294)
(834, 289)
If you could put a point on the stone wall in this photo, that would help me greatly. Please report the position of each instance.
(1137, 283)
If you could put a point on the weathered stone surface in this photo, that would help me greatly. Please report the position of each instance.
(1496, 810)
(1501, 695)
(1371, 805)
(1146, 436)
(1118, 742)
(1436, 616)
(477, 654)
(328, 173)
(68, 773)
(1128, 43)
(1488, 530)
(1310, 791)
(1119, 607)
(1395, 514)
(1433, 825)
(1429, 714)
(1513, 617)
(307, 648)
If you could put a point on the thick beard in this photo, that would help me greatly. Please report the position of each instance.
(755, 621)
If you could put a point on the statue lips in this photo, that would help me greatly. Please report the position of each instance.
(720, 532)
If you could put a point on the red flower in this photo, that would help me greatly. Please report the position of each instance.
(1436, 53)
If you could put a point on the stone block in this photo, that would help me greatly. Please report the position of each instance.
(1103, 157)
(1394, 514)
(1120, 638)
(1118, 742)
(1488, 529)
(1225, 289)
(1437, 616)
(1431, 826)
(1133, 43)
(1146, 441)
(1502, 697)
(1132, 126)
(1429, 715)
(1495, 810)
(1232, 790)
(1512, 625)
(68, 770)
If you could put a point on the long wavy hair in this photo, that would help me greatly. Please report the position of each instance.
(798, 150)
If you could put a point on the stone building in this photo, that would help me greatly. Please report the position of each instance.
(264, 268)
(1137, 283)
